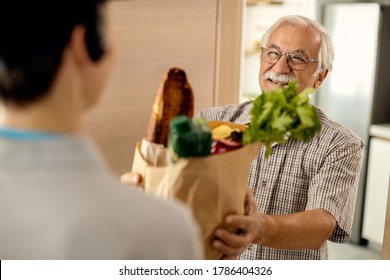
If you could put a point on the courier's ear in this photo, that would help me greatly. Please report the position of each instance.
(321, 77)
(77, 45)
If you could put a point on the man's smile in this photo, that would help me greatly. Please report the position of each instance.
(278, 83)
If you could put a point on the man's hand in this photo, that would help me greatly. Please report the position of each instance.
(250, 206)
(231, 244)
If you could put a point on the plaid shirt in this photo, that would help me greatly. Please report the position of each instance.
(320, 174)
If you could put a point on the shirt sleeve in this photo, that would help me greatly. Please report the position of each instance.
(335, 187)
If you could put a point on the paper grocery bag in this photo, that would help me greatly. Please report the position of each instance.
(152, 175)
(211, 186)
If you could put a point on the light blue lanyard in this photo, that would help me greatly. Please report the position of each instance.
(26, 135)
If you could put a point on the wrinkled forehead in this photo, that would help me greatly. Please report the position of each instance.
(290, 38)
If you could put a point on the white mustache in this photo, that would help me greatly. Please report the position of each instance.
(279, 78)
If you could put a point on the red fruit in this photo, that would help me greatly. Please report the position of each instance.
(224, 145)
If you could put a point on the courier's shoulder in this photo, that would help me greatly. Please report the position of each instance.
(238, 113)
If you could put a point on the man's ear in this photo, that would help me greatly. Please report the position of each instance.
(78, 46)
(321, 78)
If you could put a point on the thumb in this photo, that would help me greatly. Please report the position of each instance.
(250, 203)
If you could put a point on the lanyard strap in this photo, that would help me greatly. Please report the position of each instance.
(26, 135)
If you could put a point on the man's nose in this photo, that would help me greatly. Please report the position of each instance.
(281, 66)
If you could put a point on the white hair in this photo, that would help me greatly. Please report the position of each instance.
(326, 52)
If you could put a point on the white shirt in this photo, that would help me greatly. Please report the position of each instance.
(59, 201)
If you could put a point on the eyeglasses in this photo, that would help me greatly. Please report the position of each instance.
(294, 60)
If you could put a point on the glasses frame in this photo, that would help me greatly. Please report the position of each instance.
(288, 58)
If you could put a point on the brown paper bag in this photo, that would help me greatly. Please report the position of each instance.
(211, 186)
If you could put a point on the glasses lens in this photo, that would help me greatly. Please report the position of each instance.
(270, 55)
(297, 62)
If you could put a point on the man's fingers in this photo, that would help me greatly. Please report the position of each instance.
(237, 221)
(233, 239)
(228, 251)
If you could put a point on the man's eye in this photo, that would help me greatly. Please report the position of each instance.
(297, 59)
(273, 54)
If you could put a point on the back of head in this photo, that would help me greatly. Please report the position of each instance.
(33, 37)
(326, 52)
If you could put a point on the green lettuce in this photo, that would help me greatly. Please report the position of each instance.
(282, 114)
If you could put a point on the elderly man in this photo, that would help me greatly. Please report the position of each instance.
(304, 193)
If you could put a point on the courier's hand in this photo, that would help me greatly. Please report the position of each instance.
(131, 179)
(231, 244)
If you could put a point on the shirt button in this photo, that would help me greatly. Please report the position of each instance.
(263, 183)
(250, 247)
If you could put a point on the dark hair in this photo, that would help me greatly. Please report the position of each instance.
(33, 36)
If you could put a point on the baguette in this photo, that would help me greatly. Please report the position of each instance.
(174, 97)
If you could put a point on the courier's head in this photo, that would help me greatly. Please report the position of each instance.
(34, 37)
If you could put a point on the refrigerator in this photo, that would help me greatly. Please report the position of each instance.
(357, 92)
